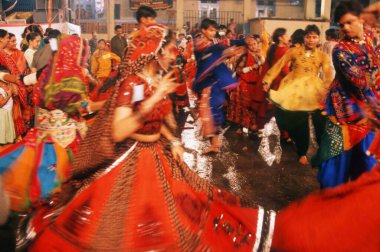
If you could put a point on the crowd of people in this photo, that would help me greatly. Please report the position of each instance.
(90, 146)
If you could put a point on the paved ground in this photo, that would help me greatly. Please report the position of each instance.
(241, 169)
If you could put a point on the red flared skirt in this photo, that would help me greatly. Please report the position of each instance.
(148, 201)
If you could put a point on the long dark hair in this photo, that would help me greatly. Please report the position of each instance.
(3, 33)
(276, 39)
(32, 36)
(297, 37)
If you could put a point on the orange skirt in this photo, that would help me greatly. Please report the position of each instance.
(149, 201)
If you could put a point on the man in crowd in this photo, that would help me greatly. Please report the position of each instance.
(118, 42)
(93, 43)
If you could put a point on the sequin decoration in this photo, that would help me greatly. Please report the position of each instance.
(336, 139)
(238, 233)
(270, 148)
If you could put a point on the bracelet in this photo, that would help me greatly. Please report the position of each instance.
(175, 142)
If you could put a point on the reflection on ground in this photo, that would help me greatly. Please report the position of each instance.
(240, 169)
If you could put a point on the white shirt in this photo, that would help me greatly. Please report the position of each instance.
(9, 105)
(29, 54)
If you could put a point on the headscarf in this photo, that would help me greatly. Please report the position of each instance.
(62, 85)
(144, 46)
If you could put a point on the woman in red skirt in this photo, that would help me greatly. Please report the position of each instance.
(248, 70)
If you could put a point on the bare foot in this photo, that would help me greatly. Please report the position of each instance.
(303, 160)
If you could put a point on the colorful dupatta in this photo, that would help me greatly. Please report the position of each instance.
(62, 85)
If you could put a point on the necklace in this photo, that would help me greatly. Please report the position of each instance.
(149, 79)
(309, 54)
(360, 42)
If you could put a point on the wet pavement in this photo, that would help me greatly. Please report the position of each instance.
(240, 168)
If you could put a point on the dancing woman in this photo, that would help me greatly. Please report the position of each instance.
(262, 108)
(35, 167)
(248, 70)
(146, 198)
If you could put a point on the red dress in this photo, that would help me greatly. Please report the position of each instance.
(241, 99)
(260, 104)
(148, 201)
(345, 218)
(20, 101)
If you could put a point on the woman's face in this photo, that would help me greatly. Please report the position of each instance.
(12, 43)
(252, 45)
(35, 43)
(167, 56)
(284, 39)
(4, 41)
(101, 45)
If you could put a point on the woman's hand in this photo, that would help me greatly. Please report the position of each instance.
(164, 87)
(167, 84)
(177, 152)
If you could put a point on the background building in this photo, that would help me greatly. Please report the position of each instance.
(102, 15)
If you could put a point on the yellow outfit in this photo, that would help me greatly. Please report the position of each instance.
(101, 64)
(264, 41)
(301, 89)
